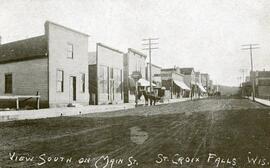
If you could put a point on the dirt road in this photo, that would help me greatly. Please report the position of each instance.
(201, 133)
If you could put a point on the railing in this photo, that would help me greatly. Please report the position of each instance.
(25, 97)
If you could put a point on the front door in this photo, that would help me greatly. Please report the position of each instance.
(72, 89)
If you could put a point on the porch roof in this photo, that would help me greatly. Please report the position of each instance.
(181, 84)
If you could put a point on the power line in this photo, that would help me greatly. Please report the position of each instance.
(150, 42)
(251, 47)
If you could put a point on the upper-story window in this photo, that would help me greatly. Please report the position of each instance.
(70, 49)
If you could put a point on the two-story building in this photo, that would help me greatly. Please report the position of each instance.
(173, 81)
(53, 64)
(106, 75)
(134, 61)
(205, 80)
(262, 84)
(189, 79)
(199, 87)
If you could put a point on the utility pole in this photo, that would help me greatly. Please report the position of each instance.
(150, 42)
(251, 47)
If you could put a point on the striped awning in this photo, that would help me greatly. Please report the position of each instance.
(201, 87)
(181, 84)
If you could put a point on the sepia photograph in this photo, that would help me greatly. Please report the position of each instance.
(134, 84)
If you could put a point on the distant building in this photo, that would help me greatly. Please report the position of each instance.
(53, 64)
(199, 89)
(247, 79)
(134, 61)
(246, 88)
(205, 80)
(262, 84)
(106, 75)
(189, 79)
(174, 83)
(156, 71)
(198, 78)
(210, 87)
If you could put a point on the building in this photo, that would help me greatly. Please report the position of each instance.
(173, 81)
(134, 61)
(262, 84)
(189, 79)
(199, 89)
(247, 79)
(53, 64)
(210, 87)
(155, 71)
(106, 75)
(205, 80)
(198, 78)
(246, 89)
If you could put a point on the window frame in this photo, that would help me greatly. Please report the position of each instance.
(11, 87)
(62, 81)
(70, 51)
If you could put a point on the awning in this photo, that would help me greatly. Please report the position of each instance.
(143, 82)
(181, 85)
(201, 87)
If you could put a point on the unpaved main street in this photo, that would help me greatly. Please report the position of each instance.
(201, 133)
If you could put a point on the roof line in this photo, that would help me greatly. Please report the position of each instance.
(21, 40)
(155, 65)
(67, 28)
(103, 45)
(138, 52)
(168, 69)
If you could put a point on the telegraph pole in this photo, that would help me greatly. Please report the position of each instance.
(150, 42)
(251, 47)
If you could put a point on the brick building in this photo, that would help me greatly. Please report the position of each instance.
(53, 64)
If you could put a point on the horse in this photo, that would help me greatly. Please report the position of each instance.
(151, 97)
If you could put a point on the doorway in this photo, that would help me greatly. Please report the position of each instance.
(72, 90)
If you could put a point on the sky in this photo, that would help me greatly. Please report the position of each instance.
(204, 34)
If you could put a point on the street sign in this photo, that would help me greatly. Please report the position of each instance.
(136, 75)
